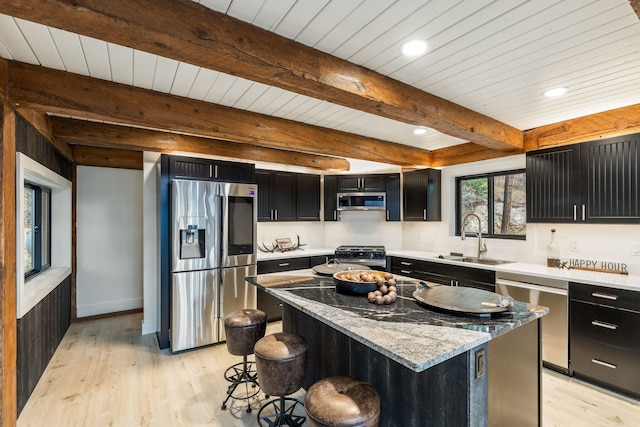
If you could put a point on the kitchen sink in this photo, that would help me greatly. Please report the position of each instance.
(487, 261)
(476, 260)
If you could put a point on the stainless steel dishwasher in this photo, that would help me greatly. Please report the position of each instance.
(550, 293)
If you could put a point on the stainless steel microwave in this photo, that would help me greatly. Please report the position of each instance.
(361, 201)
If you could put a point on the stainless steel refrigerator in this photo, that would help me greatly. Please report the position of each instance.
(213, 248)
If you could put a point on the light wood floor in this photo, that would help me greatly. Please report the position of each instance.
(106, 374)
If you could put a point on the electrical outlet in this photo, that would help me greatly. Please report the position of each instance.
(573, 246)
(635, 251)
(480, 363)
(542, 244)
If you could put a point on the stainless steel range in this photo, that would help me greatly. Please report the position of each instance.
(372, 256)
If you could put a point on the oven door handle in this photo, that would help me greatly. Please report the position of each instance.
(531, 286)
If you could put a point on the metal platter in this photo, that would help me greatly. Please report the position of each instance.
(461, 299)
(329, 269)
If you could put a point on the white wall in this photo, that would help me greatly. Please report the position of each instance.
(151, 242)
(109, 240)
(611, 243)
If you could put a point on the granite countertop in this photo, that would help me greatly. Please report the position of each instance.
(405, 331)
(619, 281)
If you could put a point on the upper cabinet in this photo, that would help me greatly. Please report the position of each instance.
(378, 183)
(287, 196)
(362, 183)
(422, 195)
(592, 182)
(330, 197)
(392, 183)
(308, 197)
(210, 169)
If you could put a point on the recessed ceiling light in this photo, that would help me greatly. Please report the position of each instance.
(556, 91)
(420, 131)
(414, 47)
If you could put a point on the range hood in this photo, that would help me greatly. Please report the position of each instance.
(361, 201)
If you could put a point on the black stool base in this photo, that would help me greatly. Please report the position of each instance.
(245, 376)
(279, 413)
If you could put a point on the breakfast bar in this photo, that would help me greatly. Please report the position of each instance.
(430, 366)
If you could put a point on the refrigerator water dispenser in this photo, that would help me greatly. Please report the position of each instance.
(192, 242)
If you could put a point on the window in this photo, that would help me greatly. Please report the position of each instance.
(37, 230)
(499, 200)
(54, 261)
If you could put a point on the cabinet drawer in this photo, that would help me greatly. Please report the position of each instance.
(607, 325)
(406, 263)
(610, 366)
(285, 264)
(271, 305)
(618, 298)
(414, 274)
(461, 273)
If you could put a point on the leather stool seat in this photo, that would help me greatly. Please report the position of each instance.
(342, 402)
(281, 361)
(243, 329)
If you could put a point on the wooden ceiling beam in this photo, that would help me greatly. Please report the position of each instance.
(54, 91)
(620, 121)
(465, 153)
(187, 31)
(102, 135)
(635, 4)
(4, 79)
(107, 158)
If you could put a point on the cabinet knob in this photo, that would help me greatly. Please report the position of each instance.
(424, 214)
(283, 264)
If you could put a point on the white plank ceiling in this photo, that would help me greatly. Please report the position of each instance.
(494, 57)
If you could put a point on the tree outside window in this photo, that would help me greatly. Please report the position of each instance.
(499, 199)
(37, 229)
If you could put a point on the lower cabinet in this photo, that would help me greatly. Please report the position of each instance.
(603, 345)
(271, 305)
(445, 274)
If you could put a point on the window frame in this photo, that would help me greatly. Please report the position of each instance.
(38, 220)
(490, 203)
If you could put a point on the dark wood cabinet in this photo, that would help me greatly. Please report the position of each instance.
(444, 274)
(592, 182)
(455, 275)
(393, 197)
(330, 197)
(210, 169)
(361, 183)
(276, 195)
(288, 196)
(308, 197)
(377, 183)
(271, 305)
(422, 195)
(603, 327)
(610, 180)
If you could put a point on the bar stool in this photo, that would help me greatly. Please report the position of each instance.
(342, 402)
(243, 329)
(281, 359)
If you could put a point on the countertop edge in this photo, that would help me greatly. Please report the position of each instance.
(620, 281)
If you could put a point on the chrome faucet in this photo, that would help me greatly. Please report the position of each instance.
(482, 248)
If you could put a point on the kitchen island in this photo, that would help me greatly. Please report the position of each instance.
(430, 367)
